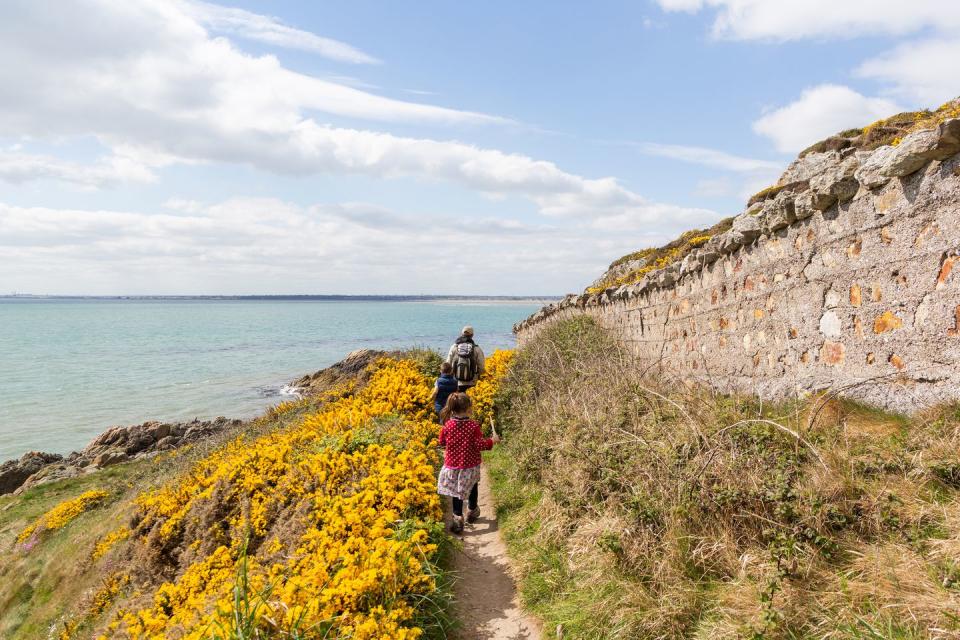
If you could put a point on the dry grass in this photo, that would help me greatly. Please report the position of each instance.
(643, 508)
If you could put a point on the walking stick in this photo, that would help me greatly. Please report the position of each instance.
(493, 427)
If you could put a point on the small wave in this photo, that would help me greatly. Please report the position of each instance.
(290, 391)
(286, 391)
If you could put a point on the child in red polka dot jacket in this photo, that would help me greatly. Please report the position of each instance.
(463, 441)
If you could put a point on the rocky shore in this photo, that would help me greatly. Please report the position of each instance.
(125, 443)
(113, 446)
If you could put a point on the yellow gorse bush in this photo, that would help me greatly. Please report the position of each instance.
(61, 515)
(483, 392)
(667, 258)
(329, 519)
(106, 543)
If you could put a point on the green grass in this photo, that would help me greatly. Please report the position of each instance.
(40, 586)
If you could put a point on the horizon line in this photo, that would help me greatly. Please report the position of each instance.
(289, 296)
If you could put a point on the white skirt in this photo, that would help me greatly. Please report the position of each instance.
(457, 483)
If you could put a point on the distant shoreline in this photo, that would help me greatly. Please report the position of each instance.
(295, 298)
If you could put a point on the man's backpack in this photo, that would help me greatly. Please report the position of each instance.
(464, 367)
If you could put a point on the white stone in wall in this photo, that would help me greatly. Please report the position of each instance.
(830, 324)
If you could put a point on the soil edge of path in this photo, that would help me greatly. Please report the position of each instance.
(487, 603)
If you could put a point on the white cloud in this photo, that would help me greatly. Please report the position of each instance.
(262, 245)
(709, 157)
(923, 72)
(820, 19)
(272, 31)
(19, 168)
(688, 6)
(820, 112)
(148, 78)
(93, 65)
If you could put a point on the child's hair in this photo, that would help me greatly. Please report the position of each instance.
(446, 367)
(457, 404)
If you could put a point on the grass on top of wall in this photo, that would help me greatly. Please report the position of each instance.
(641, 508)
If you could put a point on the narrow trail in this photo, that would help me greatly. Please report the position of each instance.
(487, 603)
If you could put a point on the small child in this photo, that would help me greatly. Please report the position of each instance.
(445, 385)
(463, 440)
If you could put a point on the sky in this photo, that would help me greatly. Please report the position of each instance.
(180, 147)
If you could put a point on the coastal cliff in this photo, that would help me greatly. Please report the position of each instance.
(841, 276)
(318, 519)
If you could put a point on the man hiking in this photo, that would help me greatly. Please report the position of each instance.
(466, 358)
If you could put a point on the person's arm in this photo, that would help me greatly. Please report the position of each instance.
(436, 389)
(481, 361)
(442, 440)
(453, 350)
(485, 443)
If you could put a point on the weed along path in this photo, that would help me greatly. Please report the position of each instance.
(487, 603)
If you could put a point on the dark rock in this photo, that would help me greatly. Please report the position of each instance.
(14, 473)
(49, 473)
(115, 445)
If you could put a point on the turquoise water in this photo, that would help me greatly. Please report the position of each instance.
(72, 368)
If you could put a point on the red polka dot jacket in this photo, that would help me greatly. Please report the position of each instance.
(464, 441)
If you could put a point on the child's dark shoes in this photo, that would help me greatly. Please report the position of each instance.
(473, 515)
(456, 525)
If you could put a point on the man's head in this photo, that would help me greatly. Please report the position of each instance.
(467, 331)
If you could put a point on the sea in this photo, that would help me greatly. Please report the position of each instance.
(71, 368)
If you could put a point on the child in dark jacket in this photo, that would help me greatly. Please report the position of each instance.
(443, 387)
(463, 440)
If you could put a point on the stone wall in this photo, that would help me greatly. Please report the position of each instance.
(846, 279)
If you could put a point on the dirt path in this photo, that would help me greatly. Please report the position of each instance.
(487, 602)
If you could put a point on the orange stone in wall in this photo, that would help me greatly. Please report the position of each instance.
(833, 353)
(945, 270)
(856, 295)
(887, 321)
(897, 361)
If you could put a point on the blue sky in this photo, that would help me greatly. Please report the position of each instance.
(184, 147)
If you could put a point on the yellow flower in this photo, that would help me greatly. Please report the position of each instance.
(62, 514)
(483, 392)
(328, 499)
(108, 541)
